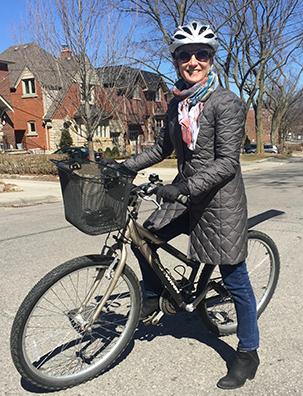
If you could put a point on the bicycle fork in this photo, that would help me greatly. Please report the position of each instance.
(116, 267)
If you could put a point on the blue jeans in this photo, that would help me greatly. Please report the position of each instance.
(235, 278)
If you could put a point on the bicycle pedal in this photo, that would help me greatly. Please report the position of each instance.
(153, 319)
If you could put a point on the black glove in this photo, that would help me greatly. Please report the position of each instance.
(170, 192)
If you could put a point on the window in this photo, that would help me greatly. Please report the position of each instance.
(28, 87)
(103, 131)
(136, 92)
(159, 123)
(81, 130)
(89, 95)
(31, 128)
(158, 95)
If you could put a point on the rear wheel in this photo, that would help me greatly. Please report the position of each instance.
(263, 264)
(49, 347)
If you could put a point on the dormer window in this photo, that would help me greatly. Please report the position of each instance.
(136, 92)
(28, 87)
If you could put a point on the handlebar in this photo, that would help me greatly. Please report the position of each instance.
(150, 188)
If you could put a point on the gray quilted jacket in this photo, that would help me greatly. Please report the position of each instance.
(218, 211)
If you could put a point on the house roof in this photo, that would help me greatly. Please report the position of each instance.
(4, 104)
(96, 111)
(55, 103)
(5, 61)
(124, 76)
(153, 80)
(41, 63)
(117, 76)
(49, 71)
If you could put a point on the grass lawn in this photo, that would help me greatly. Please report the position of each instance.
(167, 163)
(172, 162)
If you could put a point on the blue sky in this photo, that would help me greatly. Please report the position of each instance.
(12, 12)
(13, 15)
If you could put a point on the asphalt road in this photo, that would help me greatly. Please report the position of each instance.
(180, 357)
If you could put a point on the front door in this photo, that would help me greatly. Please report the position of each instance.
(19, 138)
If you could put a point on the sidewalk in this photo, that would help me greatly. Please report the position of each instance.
(38, 192)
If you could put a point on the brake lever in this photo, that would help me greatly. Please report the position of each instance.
(147, 198)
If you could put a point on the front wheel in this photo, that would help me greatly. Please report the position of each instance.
(49, 347)
(263, 265)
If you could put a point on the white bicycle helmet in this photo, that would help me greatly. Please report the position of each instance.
(193, 33)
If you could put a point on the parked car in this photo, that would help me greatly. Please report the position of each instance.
(77, 152)
(250, 148)
(271, 148)
(268, 148)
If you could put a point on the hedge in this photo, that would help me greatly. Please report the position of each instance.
(28, 164)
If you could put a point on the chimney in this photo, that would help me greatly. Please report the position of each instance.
(66, 53)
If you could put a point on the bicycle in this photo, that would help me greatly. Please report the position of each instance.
(79, 318)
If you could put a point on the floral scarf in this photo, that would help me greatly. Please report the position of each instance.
(191, 105)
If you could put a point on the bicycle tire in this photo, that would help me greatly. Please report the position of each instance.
(229, 326)
(51, 281)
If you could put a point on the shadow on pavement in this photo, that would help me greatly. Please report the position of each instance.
(32, 388)
(186, 325)
(182, 325)
(259, 218)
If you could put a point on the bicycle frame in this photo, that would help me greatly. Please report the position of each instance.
(139, 236)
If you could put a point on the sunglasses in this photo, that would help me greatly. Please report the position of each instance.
(201, 55)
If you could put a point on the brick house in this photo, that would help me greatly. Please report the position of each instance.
(130, 104)
(32, 77)
(136, 107)
(46, 98)
(6, 128)
(250, 126)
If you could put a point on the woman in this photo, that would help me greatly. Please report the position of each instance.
(205, 126)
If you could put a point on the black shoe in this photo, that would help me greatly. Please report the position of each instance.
(150, 305)
(242, 368)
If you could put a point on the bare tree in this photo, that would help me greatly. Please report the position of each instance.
(90, 32)
(157, 20)
(283, 93)
(251, 33)
(252, 39)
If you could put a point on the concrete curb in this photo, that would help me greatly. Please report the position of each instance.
(36, 192)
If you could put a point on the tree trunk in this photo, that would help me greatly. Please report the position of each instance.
(90, 145)
(258, 107)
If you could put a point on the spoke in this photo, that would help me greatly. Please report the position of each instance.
(78, 286)
(111, 331)
(87, 292)
(54, 304)
(59, 298)
(45, 316)
(115, 322)
(47, 327)
(117, 296)
(86, 283)
(67, 293)
(60, 312)
(258, 265)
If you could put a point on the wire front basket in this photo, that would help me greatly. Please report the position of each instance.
(95, 195)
